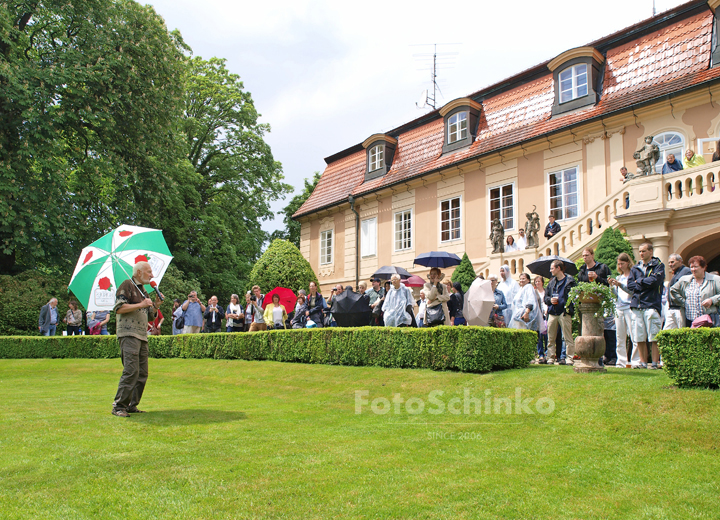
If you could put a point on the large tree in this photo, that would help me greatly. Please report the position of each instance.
(90, 93)
(291, 232)
(217, 235)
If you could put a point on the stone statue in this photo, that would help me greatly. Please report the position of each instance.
(497, 236)
(646, 157)
(532, 227)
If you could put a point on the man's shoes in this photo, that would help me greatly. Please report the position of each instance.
(135, 410)
(562, 362)
(653, 366)
(542, 361)
(120, 413)
(550, 361)
(641, 365)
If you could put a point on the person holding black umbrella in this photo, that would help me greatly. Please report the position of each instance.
(556, 295)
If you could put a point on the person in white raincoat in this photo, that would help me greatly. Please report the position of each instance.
(397, 299)
(509, 288)
(526, 306)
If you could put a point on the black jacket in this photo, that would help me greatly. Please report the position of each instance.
(557, 310)
(554, 227)
(601, 270)
(219, 316)
(646, 283)
(455, 305)
(681, 272)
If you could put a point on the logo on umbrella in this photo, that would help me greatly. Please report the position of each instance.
(125, 233)
(104, 283)
(88, 257)
(142, 258)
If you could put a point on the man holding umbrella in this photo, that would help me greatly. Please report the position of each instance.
(134, 309)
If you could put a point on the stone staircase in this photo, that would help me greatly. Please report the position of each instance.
(638, 207)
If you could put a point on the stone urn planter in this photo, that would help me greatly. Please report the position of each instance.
(590, 347)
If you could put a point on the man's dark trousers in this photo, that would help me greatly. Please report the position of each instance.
(134, 353)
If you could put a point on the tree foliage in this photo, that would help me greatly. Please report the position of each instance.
(216, 232)
(611, 244)
(90, 93)
(464, 273)
(291, 232)
(282, 265)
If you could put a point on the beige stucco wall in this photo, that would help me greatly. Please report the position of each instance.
(598, 153)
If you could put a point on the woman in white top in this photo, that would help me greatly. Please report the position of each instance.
(539, 284)
(234, 315)
(623, 315)
(510, 244)
(509, 288)
(527, 306)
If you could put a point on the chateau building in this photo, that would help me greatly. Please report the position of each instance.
(551, 139)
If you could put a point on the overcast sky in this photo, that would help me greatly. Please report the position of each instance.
(328, 74)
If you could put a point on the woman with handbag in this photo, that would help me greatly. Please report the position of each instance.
(497, 318)
(275, 313)
(437, 297)
(73, 319)
(699, 292)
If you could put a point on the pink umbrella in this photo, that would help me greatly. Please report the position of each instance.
(414, 281)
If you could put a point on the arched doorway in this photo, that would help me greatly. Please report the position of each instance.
(706, 245)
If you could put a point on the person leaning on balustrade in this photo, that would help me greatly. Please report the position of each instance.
(699, 292)
(692, 159)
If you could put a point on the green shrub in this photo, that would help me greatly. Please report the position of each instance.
(22, 296)
(282, 265)
(464, 273)
(35, 347)
(468, 349)
(691, 357)
(611, 244)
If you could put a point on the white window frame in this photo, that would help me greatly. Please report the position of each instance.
(574, 85)
(366, 244)
(666, 148)
(376, 157)
(451, 219)
(514, 205)
(399, 239)
(457, 127)
(326, 247)
(578, 193)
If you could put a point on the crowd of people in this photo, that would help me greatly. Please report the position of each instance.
(646, 301)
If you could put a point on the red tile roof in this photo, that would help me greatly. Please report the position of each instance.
(667, 60)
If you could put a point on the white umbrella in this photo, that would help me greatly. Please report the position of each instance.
(479, 301)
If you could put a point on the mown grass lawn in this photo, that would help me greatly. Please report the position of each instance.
(234, 439)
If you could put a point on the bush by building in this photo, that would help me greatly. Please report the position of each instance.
(464, 273)
(282, 265)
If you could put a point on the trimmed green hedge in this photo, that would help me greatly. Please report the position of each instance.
(467, 349)
(691, 357)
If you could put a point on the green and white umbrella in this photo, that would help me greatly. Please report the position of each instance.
(109, 261)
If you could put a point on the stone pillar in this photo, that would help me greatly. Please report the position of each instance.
(661, 246)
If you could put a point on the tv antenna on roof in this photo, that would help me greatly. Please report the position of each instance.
(444, 59)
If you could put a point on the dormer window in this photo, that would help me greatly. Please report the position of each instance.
(461, 121)
(576, 74)
(380, 149)
(457, 127)
(376, 158)
(573, 83)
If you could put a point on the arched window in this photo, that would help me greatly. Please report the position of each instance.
(669, 143)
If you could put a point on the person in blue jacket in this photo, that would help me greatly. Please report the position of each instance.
(646, 283)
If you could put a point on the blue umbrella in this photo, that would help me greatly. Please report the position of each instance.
(437, 259)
